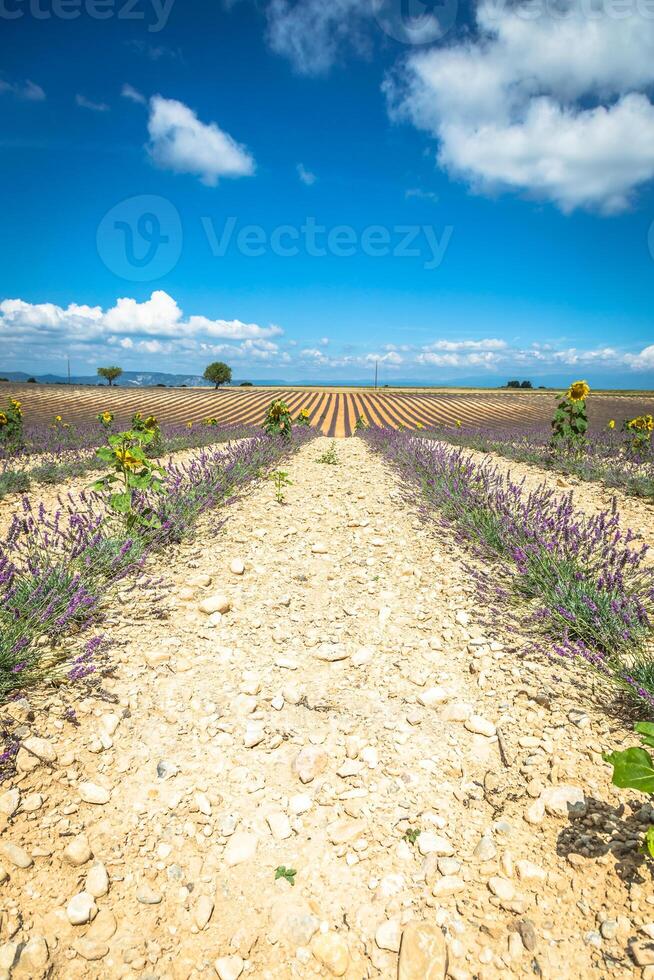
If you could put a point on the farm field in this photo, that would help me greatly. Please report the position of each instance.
(332, 411)
(341, 727)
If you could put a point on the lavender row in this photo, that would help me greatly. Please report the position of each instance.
(586, 579)
(60, 457)
(603, 460)
(56, 569)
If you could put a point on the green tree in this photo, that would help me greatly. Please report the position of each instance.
(110, 374)
(513, 384)
(218, 373)
(526, 384)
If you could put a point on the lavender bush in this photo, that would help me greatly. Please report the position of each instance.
(585, 577)
(57, 570)
(604, 458)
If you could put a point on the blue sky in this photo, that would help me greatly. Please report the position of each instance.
(301, 189)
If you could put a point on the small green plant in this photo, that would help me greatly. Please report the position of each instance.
(278, 421)
(11, 426)
(303, 418)
(151, 425)
(360, 424)
(412, 835)
(634, 769)
(280, 480)
(329, 456)
(131, 473)
(288, 873)
(570, 420)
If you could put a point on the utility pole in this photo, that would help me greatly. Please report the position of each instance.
(376, 365)
(69, 370)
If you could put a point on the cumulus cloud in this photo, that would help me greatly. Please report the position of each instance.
(180, 142)
(154, 326)
(29, 91)
(554, 105)
(85, 103)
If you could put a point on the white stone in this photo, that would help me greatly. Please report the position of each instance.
(229, 967)
(389, 935)
(81, 909)
(215, 604)
(502, 888)
(242, 846)
(9, 802)
(279, 824)
(432, 696)
(16, 855)
(90, 793)
(319, 548)
(362, 656)
(97, 880)
(430, 843)
(300, 803)
(41, 748)
(254, 734)
(562, 800)
(203, 911)
(480, 726)
(78, 851)
(237, 567)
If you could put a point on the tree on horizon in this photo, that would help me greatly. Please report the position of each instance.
(110, 373)
(218, 373)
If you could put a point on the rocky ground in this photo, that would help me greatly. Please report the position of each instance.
(323, 761)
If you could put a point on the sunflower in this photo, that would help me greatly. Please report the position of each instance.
(3, 418)
(612, 424)
(150, 423)
(458, 423)
(58, 418)
(107, 417)
(419, 425)
(578, 391)
(127, 459)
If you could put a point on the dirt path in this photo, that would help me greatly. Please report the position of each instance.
(347, 700)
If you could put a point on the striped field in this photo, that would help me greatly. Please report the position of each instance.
(333, 410)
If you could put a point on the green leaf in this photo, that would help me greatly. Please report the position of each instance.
(646, 731)
(648, 842)
(632, 769)
(121, 502)
(288, 873)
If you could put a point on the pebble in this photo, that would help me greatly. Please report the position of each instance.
(319, 548)
(388, 935)
(432, 696)
(90, 949)
(448, 885)
(563, 800)
(310, 762)
(229, 967)
(280, 826)
(456, 711)
(34, 959)
(97, 880)
(332, 951)
(642, 952)
(203, 911)
(480, 726)
(501, 887)
(254, 734)
(331, 652)
(16, 855)
(90, 793)
(147, 895)
(362, 656)
(215, 604)
(9, 802)
(485, 850)
(237, 567)
(41, 748)
(430, 843)
(81, 909)
(78, 851)
(423, 953)
(242, 846)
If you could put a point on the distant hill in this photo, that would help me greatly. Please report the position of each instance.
(128, 379)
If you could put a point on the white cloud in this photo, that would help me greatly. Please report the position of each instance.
(643, 361)
(553, 105)
(155, 326)
(85, 103)
(181, 143)
(310, 32)
(29, 91)
(461, 345)
(305, 175)
(129, 92)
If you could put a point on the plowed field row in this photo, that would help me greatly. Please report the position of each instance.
(334, 412)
